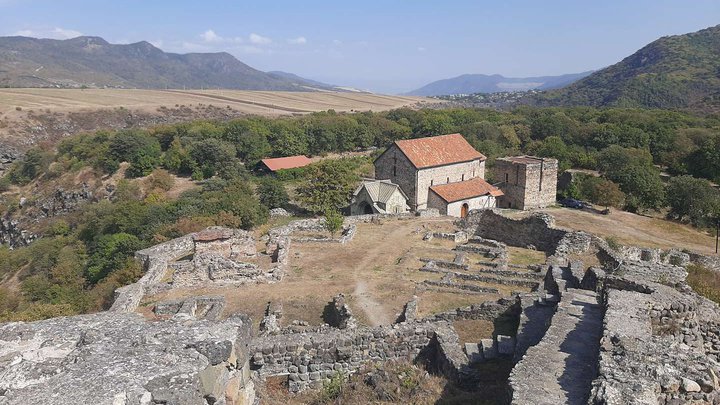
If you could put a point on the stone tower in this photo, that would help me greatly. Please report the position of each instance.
(527, 182)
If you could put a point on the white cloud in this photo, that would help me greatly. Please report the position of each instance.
(421, 49)
(210, 36)
(158, 43)
(55, 33)
(259, 39)
(298, 41)
(337, 42)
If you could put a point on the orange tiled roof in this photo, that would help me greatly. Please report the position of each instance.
(462, 190)
(290, 162)
(438, 150)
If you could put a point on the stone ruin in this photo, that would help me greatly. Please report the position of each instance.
(628, 331)
(215, 255)
(120, 358)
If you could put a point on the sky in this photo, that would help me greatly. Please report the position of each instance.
(389, 46)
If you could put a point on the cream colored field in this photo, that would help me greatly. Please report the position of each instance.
(252, 102)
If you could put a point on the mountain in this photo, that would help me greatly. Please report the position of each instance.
(93, 62)
(477, 83)
(681, 71)
(302, 81)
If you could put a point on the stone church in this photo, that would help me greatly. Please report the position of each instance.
(443, 172)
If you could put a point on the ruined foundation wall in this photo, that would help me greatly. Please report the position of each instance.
(536, 230)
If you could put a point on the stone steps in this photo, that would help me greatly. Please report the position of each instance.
(560, 369)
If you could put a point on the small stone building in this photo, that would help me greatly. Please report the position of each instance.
(378, 197)
(457, 199)
(416, 165)
(527, 182)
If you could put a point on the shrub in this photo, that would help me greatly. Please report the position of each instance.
(160, 179)
(333, 222)
(272, 193)
(613, 243)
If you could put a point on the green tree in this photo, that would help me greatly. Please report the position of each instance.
(212, 155)
(602, 192)
(633, 171)
(111, 254)
(327, 186)
(333, 222)
(693, 199)
(138, 148)
(272, 193)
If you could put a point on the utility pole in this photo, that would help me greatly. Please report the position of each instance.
(717, 235)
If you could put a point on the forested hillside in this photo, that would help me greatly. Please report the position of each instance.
(152, 185)
(681, 71)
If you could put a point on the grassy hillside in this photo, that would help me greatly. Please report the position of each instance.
(93, 62)
(681, 71)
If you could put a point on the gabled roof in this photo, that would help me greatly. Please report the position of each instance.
(290, 162)
(463, 190)
(438, 150)
(380, 190)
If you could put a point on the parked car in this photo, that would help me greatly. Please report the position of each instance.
(571, 203)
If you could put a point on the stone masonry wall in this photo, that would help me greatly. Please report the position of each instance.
(393, 165)
(536, 231)
(308, 359)
(155, 262)
(440, 175)
(528, 186)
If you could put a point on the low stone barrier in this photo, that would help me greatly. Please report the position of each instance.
(310, 359)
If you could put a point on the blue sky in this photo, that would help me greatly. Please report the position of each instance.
(389, 46)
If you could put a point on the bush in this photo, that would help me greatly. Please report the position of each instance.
(160, 179)
(272, 193)
(333, 222)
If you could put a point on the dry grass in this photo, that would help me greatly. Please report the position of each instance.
(472, 330)
(633, 229)
(251, 102)
(378, 272)
(396, 382)
(705, 282)
(525, 257)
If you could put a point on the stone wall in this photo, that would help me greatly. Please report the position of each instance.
(453, 173)
(309, 359)
(155, 261)
(393, 165)
(527, 185)
(535, 231)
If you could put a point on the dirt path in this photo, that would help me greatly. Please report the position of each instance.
(375, 312)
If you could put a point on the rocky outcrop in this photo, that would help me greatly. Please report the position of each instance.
(8, 155)
(12, 234)
(113, 358)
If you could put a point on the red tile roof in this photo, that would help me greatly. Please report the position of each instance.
(438, 150)
(290, 162)
(463, 190)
